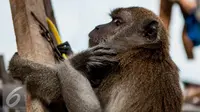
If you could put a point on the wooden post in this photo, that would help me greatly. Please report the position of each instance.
(50, 14)
(3, 74)
(49, 11)
(30, 44)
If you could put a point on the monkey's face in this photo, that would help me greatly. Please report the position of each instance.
(134, 25)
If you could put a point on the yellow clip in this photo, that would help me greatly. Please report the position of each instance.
(55, 33)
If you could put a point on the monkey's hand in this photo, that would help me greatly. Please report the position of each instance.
(95, 62)
(18, 68)
(41, 81)
(95, 57)
(65, 48)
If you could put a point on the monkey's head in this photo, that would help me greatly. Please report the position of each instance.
(134, 27)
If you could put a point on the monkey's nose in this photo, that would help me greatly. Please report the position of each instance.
(99, 27)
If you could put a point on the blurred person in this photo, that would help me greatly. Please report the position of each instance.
(190, 10)
(191, 13)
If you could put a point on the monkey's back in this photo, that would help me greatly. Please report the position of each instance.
(142, 85)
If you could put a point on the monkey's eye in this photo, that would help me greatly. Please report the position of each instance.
(117, 21)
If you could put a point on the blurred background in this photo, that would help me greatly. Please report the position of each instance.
(76, 18)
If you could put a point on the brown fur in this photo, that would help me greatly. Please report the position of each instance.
(147, 79)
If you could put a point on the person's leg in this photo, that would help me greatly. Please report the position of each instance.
(188, 44)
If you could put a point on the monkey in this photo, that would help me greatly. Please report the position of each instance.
(145, 78)
(92, 60)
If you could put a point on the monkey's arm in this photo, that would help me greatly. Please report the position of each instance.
(41, 81)
(77, 91)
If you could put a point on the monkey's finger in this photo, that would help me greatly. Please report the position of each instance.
(100, 47)
(94, 63)
(16, 66)
(103, 59)
(16, 59)
(102, 52)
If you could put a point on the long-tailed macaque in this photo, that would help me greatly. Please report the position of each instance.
(126, 69)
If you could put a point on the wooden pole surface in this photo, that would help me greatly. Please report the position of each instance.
(50, 14)
(49, 11)
(30, 44)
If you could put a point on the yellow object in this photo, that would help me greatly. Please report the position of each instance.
(55, 33)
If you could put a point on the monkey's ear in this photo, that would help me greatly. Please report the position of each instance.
(150, 29)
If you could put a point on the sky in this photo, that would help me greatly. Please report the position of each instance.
(76, 18)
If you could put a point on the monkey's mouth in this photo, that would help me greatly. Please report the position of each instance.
(93, 42)
(93, 39)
